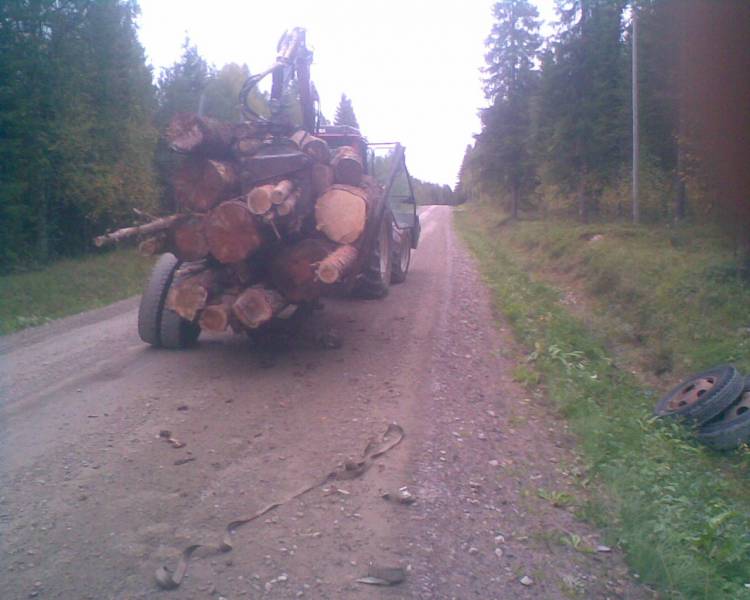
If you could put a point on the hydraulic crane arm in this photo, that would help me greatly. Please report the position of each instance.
(293, 59)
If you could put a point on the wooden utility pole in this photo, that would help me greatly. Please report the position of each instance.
(636, 140)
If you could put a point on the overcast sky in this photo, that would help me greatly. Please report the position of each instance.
(411, 67)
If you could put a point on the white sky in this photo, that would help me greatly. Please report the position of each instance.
(411, 67)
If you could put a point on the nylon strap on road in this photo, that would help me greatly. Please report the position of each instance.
(169, 580)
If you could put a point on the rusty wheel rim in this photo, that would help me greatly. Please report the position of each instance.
(738, 409)
(691, 392)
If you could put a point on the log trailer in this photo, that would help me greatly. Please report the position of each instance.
(272, 214)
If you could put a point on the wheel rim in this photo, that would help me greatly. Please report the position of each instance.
(739, 409)
(691, 393)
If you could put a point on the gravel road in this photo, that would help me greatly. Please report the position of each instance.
(93, 500)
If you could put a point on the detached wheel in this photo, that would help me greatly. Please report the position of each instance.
(376, 277)
(401, 256)
(703, 396)
(157, 325)
(731, 428)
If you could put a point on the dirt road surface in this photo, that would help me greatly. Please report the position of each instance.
(93, 500)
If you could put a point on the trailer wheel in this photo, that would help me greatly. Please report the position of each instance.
(153, 298)
(177, 333)
(376, 277)
(401, 257)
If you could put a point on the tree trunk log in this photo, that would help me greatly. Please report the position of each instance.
(293, 270)
(154, 245)
(231, 232)
(281, 191)
(314, 147)
(216, 317)
(247, 147)
(259, 199)
(189, 133)
(347, 166)
(322, 179)
(341, 213)
(127, 232)
(257, 170)
(337, 264)
(188, 296)
(256, 306)
(287, 206)
(189, 238)
(201, 184)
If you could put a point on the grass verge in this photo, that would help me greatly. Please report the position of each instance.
(679, 511)
(70, 286)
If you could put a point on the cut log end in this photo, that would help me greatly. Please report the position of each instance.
(281, 191)
(260, 199)
(341, 214)
(231, 232)
(337, 264)
(256, 306)
(217, 317)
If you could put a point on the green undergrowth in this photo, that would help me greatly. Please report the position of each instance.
(679, 511)
(68, 287)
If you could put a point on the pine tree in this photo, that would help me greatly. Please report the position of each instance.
(345, 113)
(582, 122)
(504, 146)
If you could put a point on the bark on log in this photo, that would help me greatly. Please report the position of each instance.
(337, 264)
(200, 184)
(259, 199)
(347, 166)
(189, 133)
(188, 296)
(341, 213)
(322, 179)
(247, 147)
(281, 190)
(127, 232)
(256, 306)
(232, 233)
(189, 238)
(293, 270)
(314, 147)
(216, 317)
(154, 245)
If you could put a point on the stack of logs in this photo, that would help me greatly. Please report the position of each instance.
(262, 224)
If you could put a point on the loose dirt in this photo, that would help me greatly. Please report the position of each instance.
(94, 500)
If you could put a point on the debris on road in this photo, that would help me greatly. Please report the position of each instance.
(174, 442)
(184, 461)
(385, 576)
(392, 437)
(402, 496)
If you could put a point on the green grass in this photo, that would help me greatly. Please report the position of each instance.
(680, 512)
(70, 286)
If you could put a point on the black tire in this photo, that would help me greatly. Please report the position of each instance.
(376, 277)
(702, 397)
(731, 428)
(177, 333)
(152, 301)
(401, 257)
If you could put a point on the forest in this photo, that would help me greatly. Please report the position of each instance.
(557, 135)
(81, 117)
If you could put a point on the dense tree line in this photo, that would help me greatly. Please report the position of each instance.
(76, 136)
(556, 136)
